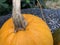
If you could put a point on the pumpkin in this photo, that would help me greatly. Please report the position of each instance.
(25, 29)
(56, 37)
(36, 33)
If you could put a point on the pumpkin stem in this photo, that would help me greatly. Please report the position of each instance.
(18, 18)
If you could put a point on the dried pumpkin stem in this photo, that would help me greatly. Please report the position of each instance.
(18, 18)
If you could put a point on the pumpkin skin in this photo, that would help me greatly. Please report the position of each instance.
(36, 33)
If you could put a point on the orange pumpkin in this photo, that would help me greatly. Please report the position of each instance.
(36, 33)
(15, 32)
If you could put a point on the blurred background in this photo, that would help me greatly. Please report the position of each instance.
(6, 5)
